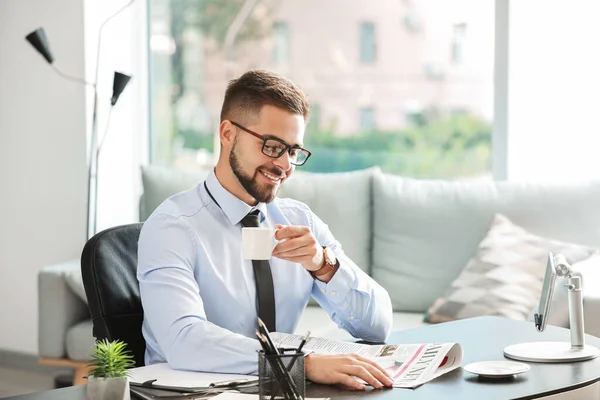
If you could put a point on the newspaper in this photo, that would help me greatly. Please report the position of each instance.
(410, 365)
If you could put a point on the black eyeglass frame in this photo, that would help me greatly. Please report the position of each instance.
(287, 148)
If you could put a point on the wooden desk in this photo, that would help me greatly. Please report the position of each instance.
(483, 338)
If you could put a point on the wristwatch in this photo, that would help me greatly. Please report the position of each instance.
(331, 263)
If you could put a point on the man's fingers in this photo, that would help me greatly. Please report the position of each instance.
(287, 232)
(350, 382)
(373, 363)
(291, 251)
(378, 373)
(346, 370)
(363, 373)
(377, 376)
(293, 244)
(289, 245)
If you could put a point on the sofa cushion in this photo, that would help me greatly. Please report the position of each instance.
(58, 308)
(80, 341)
(160, 183)
(425, 231)
(75, 282)
(317, 321)
(505, 276)
(343, 201)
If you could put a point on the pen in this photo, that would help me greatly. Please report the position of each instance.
(298, 350)
(303, 342)
(229, 383)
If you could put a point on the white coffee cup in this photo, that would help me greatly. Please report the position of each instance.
(258, 243)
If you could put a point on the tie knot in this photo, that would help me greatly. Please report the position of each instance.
(251, 220)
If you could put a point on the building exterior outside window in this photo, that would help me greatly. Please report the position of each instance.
(368, 44)
(363, 69)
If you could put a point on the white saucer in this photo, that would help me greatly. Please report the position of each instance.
(496, 369)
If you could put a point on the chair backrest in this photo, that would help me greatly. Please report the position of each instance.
(108, 268)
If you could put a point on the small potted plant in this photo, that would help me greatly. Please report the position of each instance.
(108, 377)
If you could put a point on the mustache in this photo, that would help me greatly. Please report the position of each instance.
(273, 171)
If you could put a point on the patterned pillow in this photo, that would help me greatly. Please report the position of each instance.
(505, 276)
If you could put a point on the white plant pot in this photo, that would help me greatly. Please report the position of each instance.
(107, 389)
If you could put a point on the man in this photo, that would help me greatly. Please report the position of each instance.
(199, 294)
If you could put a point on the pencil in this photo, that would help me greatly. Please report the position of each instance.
(298, 350)
(303, 342)
(265, 331)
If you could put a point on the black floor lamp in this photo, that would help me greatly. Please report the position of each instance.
(39, 41)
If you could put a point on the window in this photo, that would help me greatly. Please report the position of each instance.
(397, 113)
(412, 23)
(280, 43)
(458, 39)
(367, 42)
(413, 113)
(367, 118)
(314, 121)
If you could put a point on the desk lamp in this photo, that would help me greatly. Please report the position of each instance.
(550, 352)
(39, 41)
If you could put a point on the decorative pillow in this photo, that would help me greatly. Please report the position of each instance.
(505, 276)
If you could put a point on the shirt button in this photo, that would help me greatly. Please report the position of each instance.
(332, 293)
(323, 290)
(351, 318)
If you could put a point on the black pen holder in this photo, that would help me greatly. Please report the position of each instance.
(274, 383)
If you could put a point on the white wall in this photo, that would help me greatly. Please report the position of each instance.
(43, 152)
(42, 158)
(554, 81)
(124, 49)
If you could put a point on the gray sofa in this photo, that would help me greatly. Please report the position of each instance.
(413, 236)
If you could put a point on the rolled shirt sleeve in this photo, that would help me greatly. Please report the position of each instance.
(353, 300)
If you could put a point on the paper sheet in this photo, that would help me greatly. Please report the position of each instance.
(410, 365)
(167, 376)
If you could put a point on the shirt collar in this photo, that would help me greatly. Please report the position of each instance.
(235, 209)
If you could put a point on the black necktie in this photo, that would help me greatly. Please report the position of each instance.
(264, 280)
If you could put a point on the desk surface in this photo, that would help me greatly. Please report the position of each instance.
(483, 339)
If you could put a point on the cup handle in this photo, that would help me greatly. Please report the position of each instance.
(275, 241)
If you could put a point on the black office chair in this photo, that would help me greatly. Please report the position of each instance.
(108, 268)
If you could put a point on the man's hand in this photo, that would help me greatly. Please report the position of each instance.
(300, 246)
(340, 369)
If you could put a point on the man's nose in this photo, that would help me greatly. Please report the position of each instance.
(284, 161)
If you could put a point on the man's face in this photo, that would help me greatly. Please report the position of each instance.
(260, 175)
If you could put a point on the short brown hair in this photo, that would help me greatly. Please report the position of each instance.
(246, 95)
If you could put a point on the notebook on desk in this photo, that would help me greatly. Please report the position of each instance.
(163, 375)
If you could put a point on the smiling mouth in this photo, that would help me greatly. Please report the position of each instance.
(271, 177)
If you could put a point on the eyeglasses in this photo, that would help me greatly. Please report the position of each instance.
(274, 148)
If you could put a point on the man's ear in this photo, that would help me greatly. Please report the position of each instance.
(226, 134)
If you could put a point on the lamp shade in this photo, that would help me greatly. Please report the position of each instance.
(119, 83)
(38, 40)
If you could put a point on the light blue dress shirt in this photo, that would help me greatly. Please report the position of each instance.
(199, 294)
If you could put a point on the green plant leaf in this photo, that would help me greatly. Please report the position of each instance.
(110, 359)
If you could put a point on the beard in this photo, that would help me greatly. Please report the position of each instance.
(262, 193)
